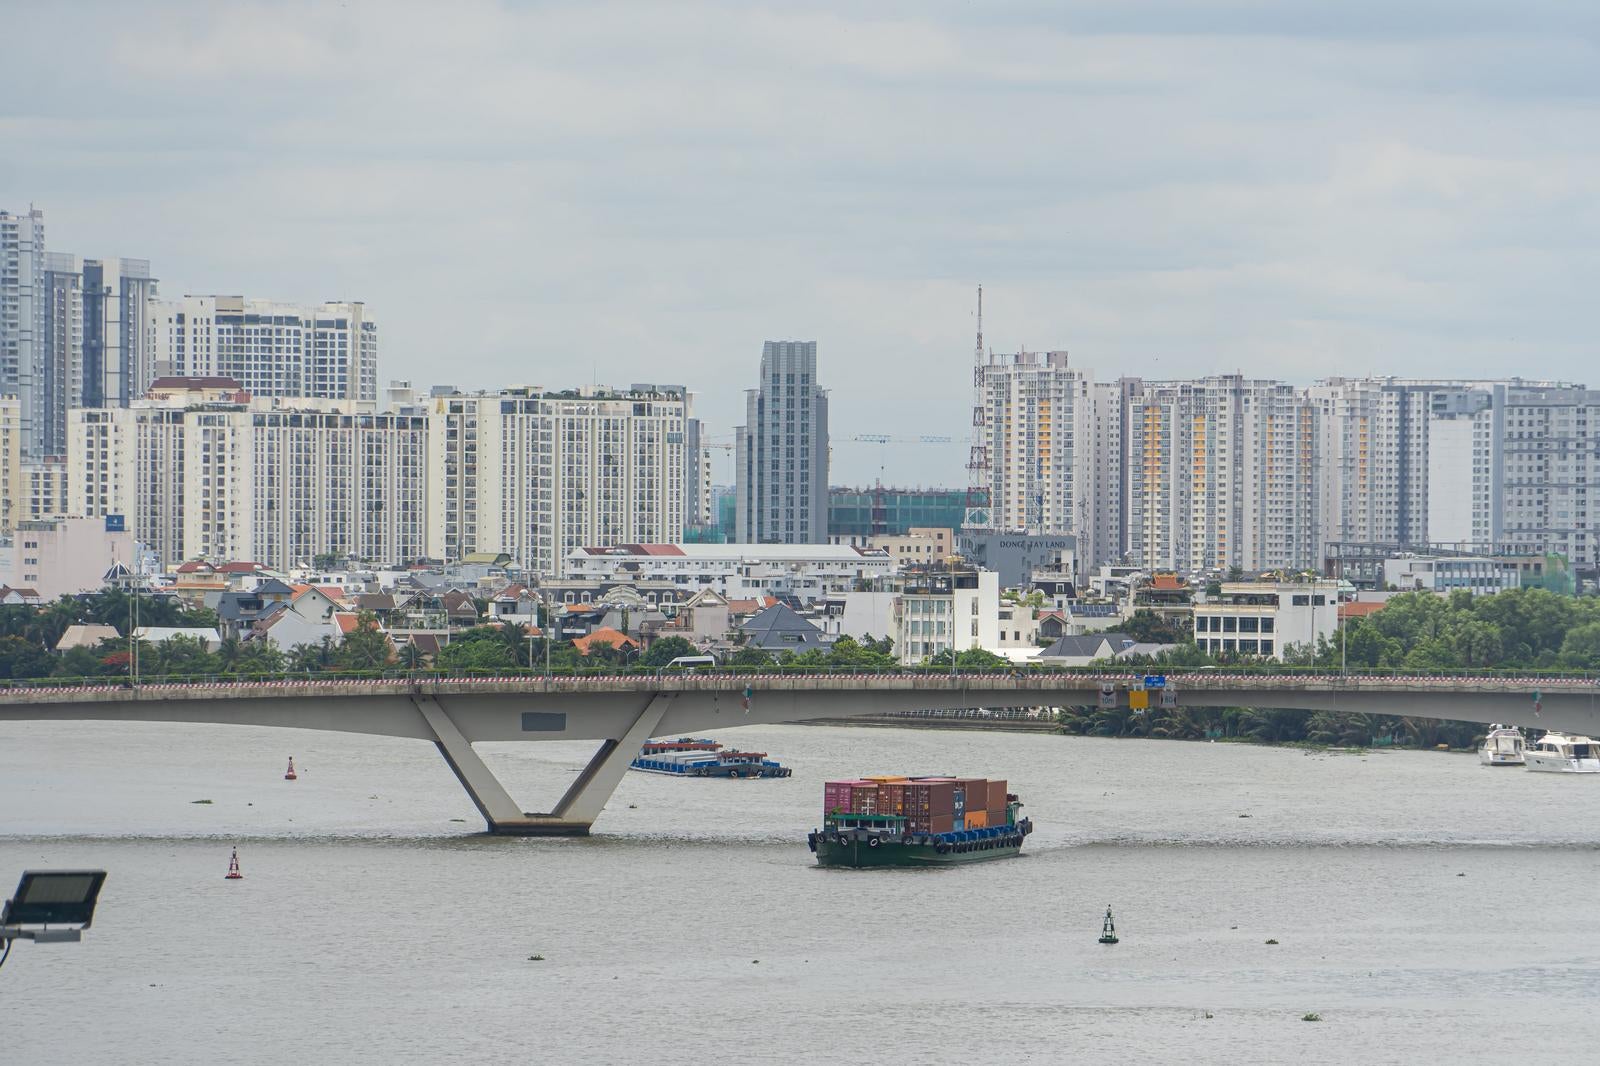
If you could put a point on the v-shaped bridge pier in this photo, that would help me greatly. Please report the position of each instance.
(576, 811)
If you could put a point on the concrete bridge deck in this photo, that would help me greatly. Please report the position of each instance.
(622, 711)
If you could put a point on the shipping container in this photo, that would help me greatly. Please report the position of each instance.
(941, 823)
(977, 820)
(884, 779)
(997, 795)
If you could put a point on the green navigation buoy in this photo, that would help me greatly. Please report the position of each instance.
(1108, 933)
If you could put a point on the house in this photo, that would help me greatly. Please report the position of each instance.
(515, 603)
(308, 618)
(87, 635)
(238, 612)
(10, 597)
(779, 629)
(1019, 628)
(618, 641)
(161, 634)
(1263, 618)
(1083, 650)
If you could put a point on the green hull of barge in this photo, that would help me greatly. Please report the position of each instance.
(858, 854)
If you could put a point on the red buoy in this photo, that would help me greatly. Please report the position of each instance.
(291, 775)
(233, 867)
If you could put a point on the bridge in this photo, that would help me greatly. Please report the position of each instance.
(620, 712)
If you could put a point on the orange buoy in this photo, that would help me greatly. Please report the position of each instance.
(291, 775)
(233, 867)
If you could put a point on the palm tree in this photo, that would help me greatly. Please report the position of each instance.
(515, 637)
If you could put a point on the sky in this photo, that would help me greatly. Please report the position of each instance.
(564, 194)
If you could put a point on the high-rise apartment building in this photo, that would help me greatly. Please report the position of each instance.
(1542, 485)
(781, 458)
(1220, 472)
(537, 474)
(1040, 427)
(97, 338)
(205, 472)
(12, 509)
(22, 320)
(328, 351)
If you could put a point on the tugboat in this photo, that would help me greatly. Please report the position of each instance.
(917, 821)
(692, 757)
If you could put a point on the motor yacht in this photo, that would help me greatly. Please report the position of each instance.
(1563, 753)
(1502, 747)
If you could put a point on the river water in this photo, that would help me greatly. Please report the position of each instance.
(1431, 910)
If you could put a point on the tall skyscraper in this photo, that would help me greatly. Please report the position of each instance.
(328, 351)
(97, 340)
(781, 460)
(22, 320)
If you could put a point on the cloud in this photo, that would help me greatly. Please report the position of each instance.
(560, 193)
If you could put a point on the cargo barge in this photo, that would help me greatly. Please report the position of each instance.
(692, 757)
(917, 821)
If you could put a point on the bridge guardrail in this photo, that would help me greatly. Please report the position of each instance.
(1019, 671)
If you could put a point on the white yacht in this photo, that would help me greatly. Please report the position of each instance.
(1562, 753)
(1502, 747)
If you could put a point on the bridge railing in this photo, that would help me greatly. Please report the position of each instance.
(1106, 673)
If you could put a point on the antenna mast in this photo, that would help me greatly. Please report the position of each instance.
(979, 466)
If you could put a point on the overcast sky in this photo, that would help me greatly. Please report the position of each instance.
(562, 194)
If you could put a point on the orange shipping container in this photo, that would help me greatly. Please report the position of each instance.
(977, 819)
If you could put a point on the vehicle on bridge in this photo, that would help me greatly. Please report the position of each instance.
(689, 757)
(917, 821)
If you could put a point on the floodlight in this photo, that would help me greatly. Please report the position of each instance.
(51, 897)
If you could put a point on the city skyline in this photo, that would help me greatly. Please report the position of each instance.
(1410, 195)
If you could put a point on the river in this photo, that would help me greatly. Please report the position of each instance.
(1429, 909)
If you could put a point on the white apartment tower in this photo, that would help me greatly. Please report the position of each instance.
(781, 460)
(1040, 424)
(537, 474)
(1220, 472)
(22, 320)
(327, 351)
(203, 474)
(1543, 486)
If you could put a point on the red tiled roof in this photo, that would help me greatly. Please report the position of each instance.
(1358, 610)
(614, 637)
(1167, 583)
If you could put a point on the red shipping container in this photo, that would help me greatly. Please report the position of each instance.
(997, 795)
(942, 823)
(837, 796)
